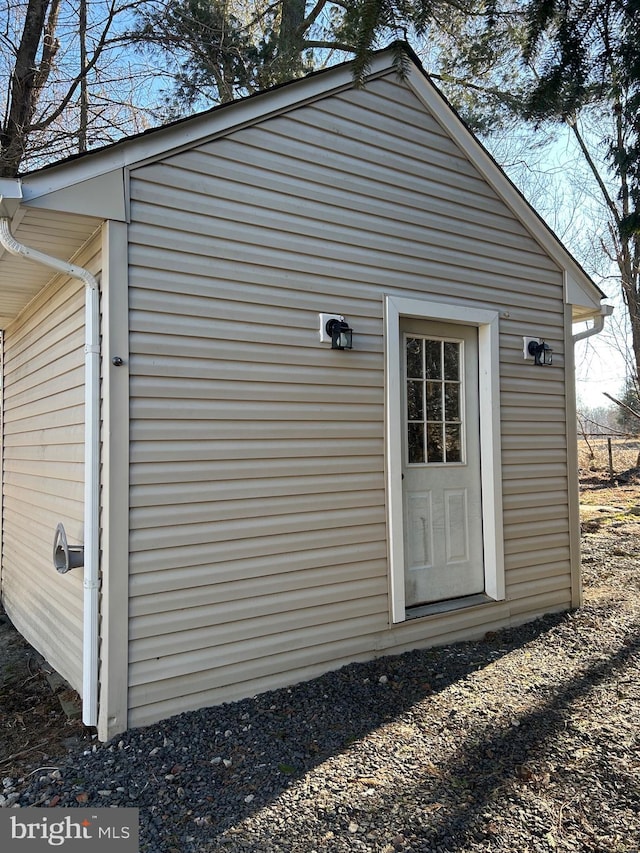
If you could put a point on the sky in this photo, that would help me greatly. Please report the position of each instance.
(547, 167)
(599, 368)
(551, 173)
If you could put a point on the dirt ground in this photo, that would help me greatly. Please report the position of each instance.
(35, 731)
(34, 728)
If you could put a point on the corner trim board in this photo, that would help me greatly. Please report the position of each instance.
(114, 603)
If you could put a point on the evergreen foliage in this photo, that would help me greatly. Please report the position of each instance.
(589, 53)
(213, 48)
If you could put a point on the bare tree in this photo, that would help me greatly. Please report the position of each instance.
(65, 78)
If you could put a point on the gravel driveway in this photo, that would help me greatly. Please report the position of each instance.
(527, 741)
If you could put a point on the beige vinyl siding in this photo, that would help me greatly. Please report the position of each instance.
(43, 476)
(258, 521)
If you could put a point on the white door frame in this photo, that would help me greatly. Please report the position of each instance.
(486, 322)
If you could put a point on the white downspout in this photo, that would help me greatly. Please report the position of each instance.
(91, 462)
(598, 324)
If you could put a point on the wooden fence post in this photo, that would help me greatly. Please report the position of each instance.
(610, 452)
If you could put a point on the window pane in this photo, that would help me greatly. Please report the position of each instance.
(414, 358)
(451, 361)
(415, 403)
(451, 401)
(434, 401)
(434, 443)
(454, 443)
(433, 359)
(434, 406)
(415, 441)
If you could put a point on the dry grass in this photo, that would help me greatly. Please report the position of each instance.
(593, 455)
(606, 501)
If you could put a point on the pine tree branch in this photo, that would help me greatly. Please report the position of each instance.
(500, 94)
(329, 45)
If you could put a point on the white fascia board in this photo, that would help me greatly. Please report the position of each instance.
(221, 120)
(10, 188)
(583, 291)
(228, 118)
(10, 196)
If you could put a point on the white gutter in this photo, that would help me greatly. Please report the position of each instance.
(91, 462)
(598, 324)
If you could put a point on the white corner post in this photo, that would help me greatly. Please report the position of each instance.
(91, 461)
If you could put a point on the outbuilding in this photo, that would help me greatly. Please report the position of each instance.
(286, 385)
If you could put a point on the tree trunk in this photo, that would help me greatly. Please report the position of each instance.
(84, 88)
(29, 77)
(290, 39)
(22, 102)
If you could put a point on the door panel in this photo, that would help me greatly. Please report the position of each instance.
(441, 462)
(456, 527)
(419, 526)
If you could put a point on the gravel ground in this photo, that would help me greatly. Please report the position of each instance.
(526, 741)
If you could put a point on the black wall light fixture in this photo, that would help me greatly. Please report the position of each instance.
(335, 330)
(538, 350)
(341, 334)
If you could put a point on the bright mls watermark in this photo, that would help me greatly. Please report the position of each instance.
(35, 830)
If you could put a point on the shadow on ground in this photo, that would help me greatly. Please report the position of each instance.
(200, 775)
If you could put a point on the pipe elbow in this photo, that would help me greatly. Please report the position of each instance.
(598, 324)
(16, 248)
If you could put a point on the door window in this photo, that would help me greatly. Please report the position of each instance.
(433, 371)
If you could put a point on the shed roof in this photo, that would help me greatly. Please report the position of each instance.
(57, 208)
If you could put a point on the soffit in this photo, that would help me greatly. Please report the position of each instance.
(59, 234)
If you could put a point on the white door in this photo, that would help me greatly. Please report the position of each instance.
(443, 542)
